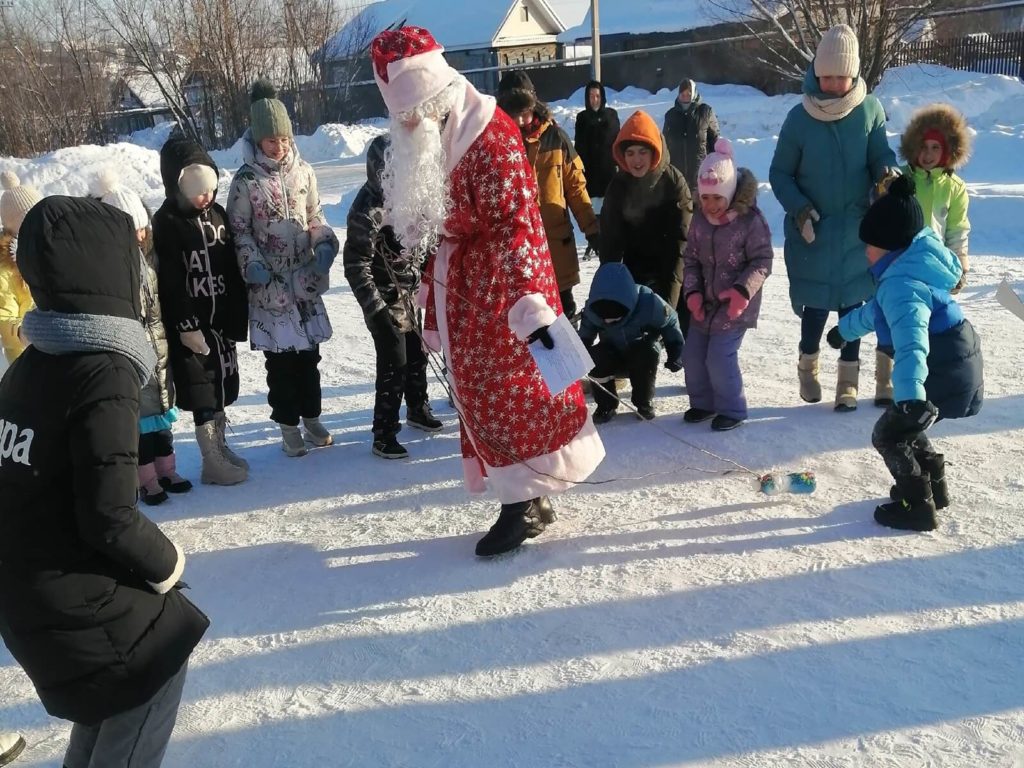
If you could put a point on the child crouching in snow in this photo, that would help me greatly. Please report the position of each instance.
(285, 251)
(629, 319)
(157, 469)
(935, 144)
(727, 259)
(937, 371)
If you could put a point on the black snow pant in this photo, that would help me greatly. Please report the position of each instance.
(155, 444)
(639, 361)
(401, 371)
(293, 381)
(902, 444)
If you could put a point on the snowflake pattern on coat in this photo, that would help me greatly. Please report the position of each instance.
(499, 255)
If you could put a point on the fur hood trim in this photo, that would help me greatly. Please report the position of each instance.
(745, 198)
(947, 120)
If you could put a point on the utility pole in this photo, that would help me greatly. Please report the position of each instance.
(595, 35)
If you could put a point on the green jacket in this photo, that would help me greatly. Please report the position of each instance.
(833, 167)
(943, 199)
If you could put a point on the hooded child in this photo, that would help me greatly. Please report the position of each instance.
(285, 251)
(691, 130)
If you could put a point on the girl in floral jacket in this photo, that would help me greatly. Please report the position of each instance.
(728, 257)
(285, 251)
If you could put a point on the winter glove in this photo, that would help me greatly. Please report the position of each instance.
(257, 274)
(921, 413)
(594, 244)
(805, 221)
(835, 338)
(381, 324)
(542, 335)
(889, 175)
(325, 255)
(965, 262)
(695, 303)
(195, 341)
(675, 365)
(737, 302)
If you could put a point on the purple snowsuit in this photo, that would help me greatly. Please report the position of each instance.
(718, 257)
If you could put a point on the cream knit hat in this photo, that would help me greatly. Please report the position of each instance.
(107, 187)
(15, 201)
(838, 53)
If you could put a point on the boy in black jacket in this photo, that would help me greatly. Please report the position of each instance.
(203, 301)
(89, 604)
(384, 280)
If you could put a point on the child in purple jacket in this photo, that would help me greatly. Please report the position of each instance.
(728, 257)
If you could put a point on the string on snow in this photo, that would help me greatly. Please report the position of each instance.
(771, 483)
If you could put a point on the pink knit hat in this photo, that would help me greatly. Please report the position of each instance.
(717, 174)
(409, 67)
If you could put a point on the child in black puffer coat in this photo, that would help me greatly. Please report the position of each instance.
(384, 279)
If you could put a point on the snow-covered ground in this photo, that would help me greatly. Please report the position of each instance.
(673, 616)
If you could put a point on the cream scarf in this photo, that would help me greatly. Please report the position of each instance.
(828, 110)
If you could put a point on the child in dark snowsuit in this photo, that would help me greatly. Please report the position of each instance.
(384, 281)
(203, 301)
(937, 368)
(629, 319)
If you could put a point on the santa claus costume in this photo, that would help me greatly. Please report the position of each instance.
(488, 290)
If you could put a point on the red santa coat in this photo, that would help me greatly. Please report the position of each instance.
(489, 286)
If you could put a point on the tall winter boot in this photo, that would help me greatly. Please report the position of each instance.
(232, 457)
(935, 465)
(915, 510)
(883, 379)
(316, 433)
(291, 441)
(150, 490)
(167, 474)
(516, 523)
(217, 470)
(807, 370)
(846, 385)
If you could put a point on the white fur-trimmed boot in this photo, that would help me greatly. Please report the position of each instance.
(807, 370)
(846, 385)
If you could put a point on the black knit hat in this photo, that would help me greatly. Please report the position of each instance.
(894, 219)
(516, 92)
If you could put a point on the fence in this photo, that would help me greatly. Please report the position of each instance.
(1000, 54)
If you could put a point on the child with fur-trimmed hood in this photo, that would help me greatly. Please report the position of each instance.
(935, 145)
(727, 259)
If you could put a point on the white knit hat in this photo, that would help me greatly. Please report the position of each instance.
(16, 200)
(838, 53)
(717, 174)
(106, 185)
(196, 180)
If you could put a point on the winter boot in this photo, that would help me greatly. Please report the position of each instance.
(167, 475)
(723, 423)
(516, 523)
(807, 370)
(697, 415)
(546, 511)
(846, 385)
(150, 490)
(217, 470)
(915, 511)
(231, 456)
(645, 412)
(603, 415)
(389, 448)
(11, 745)
(316, 433)
(291, 441)
(423, 418)
(935, 465)
(883, 379)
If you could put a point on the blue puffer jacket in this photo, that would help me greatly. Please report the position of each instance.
(648, 315)
(831, 166)
(937, 354)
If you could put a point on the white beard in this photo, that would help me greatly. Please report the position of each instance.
(417, 198)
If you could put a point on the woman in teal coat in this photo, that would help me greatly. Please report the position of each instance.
(831, 151)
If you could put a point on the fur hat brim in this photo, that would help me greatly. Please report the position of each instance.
(949, 122)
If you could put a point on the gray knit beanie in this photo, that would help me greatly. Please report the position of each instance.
(267, 115)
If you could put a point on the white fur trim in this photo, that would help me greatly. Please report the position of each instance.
(470, 115)
(552, 472)
(414, 80)
(167, 584)
(528, 314)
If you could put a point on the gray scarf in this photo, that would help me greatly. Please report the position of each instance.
(59, 333)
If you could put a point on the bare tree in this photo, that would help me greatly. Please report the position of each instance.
(345, 58)
(789, 30)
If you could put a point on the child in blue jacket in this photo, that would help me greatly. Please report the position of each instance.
(629, 319)
(937, 366)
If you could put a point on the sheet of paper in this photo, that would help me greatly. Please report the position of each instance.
(568, 362)
(1006, 296)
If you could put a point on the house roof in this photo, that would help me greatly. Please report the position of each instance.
(638, 17)
(144, 87)
(456, 24)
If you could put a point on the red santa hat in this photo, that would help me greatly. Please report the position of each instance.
(409, 67)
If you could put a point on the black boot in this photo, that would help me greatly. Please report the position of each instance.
(516, 523)
(546, 511)
(935, 465)
(914, 511)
